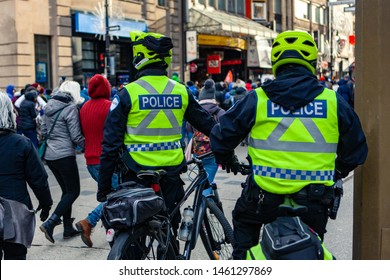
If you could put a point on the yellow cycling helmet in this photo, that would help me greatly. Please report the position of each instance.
(294, 47)
(150, 48)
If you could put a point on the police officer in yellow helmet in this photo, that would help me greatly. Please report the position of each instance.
(302, 137)
(146, 117)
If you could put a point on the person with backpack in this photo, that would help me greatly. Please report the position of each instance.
(200, 142)
(302, 138)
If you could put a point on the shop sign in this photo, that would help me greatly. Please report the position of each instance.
(193, 67)
(214, 64)
(191, 45)
(214, 40)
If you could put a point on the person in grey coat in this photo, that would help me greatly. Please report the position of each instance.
(19, 166)
(60, 154)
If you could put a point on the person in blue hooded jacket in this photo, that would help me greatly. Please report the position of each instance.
(345, 90)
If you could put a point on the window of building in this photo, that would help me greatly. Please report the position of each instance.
(42, 60)
(222, 5)
(316, 12)
(259, 10)
(163, 3)
(278, 7)
(240, 7)
(231, 5)
(90, 55)
(203, 2)
(212, 3)
(302, 9)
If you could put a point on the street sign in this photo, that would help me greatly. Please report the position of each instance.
(349, 9)
(345, 2)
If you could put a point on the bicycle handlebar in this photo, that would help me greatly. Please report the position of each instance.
(195, 159)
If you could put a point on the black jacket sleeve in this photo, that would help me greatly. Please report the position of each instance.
(197, 116)
(36, 176)
(233, 127)
(352, 148)
(113, 138)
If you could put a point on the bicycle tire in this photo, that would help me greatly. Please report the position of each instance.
(216, 233)
(142, 244)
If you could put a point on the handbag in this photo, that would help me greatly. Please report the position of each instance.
(43, 146)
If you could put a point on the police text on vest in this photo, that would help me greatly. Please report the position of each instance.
(160, 101)
(314, 109)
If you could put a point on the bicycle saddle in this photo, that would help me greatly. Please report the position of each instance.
(153, 175)
(290, 207)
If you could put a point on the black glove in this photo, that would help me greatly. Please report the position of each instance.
(44, 213)
(101, 195)
(232, 165)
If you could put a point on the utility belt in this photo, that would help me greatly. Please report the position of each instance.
(312, 192)
(318, 192)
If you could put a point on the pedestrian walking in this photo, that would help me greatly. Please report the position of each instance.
(93, 114)
(20, 166)
(62, 118)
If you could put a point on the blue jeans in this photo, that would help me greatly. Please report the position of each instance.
(94, 217)
(211, 168)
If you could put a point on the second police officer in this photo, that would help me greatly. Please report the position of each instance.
(302, 137)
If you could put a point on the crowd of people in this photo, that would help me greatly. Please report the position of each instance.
(210, 116)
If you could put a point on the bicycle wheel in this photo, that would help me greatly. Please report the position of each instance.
(216, 233)
(143, 243)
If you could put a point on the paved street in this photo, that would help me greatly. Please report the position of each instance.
(338, 239)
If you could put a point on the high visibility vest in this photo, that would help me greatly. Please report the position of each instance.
(290, 150)
(154, 122)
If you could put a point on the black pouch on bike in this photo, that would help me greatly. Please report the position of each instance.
(288, 238)
(130, 206)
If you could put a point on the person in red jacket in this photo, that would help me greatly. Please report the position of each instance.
(92, 117)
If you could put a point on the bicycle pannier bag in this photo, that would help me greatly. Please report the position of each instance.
(130, 206)
(288, 238)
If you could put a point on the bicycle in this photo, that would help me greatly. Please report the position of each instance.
(154, 239)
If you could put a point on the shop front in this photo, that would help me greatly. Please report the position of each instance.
(89, 47)
(223, 45)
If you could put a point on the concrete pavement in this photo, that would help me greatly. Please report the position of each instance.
(338, 239)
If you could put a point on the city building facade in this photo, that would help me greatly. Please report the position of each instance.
(42, 41)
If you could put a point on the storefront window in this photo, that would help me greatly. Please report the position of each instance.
(89, 55)
(42, 60)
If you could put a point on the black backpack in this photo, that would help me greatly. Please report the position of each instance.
(288, 238)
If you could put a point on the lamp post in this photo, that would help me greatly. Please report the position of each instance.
(107, 37)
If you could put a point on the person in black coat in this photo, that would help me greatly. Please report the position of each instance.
(20, 165)
(27, 116)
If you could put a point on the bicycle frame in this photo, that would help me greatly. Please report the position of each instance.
(200, 183)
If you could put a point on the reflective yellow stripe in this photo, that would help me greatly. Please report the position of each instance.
(257, 253)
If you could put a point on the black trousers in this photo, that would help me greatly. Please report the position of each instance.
(12, 251)
(67, 174)
(249, 214)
